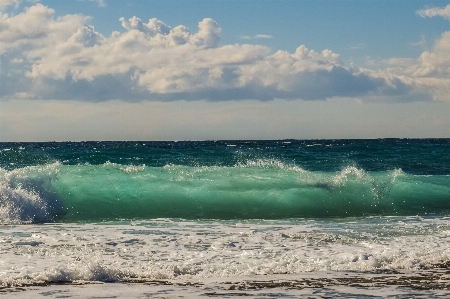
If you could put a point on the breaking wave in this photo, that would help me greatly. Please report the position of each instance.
(254, 189)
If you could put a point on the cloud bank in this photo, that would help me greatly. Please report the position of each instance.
(48, 57)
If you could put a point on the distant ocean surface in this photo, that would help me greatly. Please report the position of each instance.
(196, 211)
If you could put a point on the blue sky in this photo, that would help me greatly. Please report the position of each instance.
(353, 28)
(215, 69)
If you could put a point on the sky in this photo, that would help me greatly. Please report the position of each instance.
(79, 70)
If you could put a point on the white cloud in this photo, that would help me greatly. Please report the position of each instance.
(263, 36)
(6, 3)
(152, 28)
(435, 63)
(257, 36)
(435, 11)
(43, 56)
(432, 70)
(35, 28)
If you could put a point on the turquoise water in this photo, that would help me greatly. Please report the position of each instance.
(96, 181)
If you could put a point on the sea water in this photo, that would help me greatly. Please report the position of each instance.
(226, 218)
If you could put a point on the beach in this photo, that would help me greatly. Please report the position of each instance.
(426, 284)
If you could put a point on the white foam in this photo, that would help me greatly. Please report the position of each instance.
(125, 168)
(164, 249)
(25, 194)
(269, 163)
(21, 206)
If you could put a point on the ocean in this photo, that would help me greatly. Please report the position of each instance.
(189, 219)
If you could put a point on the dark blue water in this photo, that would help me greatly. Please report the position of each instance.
(415, 156)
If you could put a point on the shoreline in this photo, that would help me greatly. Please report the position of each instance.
(431, 282)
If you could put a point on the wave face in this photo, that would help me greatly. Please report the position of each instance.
(71, 182)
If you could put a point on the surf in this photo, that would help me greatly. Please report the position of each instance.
(252, 189)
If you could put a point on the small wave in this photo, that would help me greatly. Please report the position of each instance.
(90, 272)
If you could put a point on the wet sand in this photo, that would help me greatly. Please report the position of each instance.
(434, 283)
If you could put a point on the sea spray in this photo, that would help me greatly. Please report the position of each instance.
(27, 195)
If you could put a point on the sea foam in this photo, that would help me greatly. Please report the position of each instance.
(26, 194)
(198, 250)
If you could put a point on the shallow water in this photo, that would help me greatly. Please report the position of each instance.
(194, 251)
